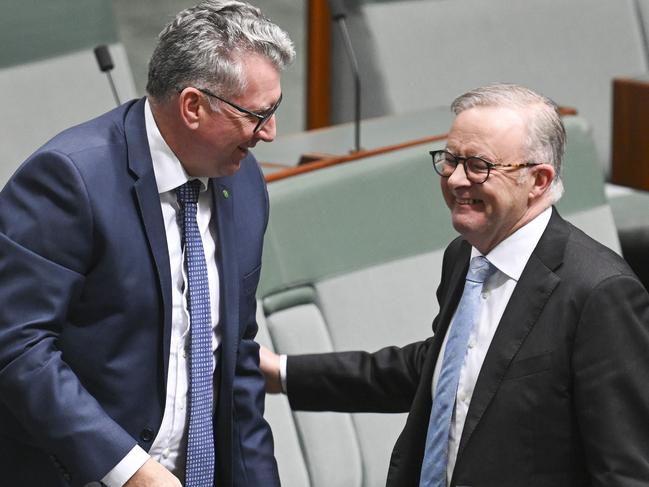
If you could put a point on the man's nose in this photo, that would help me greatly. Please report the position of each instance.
(268, 131)
(458, 177)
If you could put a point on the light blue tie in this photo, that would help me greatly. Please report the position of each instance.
(200, 440)
(433, 470)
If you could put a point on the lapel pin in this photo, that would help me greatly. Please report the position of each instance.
(226, 194)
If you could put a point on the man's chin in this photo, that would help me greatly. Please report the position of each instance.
(464, 224)
(224, 168)
(232, 167)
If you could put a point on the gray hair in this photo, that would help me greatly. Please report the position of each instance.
(546, 138)
(204, 46)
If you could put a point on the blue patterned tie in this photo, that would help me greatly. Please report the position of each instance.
(433, 470)
(200, 440)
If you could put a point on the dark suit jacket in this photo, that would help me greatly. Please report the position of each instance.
(562, 398)
(85, 310)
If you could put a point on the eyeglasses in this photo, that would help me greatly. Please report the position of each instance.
(262, 118)
(477, 169)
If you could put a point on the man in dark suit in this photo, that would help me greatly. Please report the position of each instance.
(550, 386)
(97, 290)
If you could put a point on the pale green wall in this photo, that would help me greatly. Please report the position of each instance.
(31, 30)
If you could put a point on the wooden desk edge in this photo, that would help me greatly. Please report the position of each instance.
(334, 161)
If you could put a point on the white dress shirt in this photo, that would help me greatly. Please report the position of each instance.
(169, 446)
(510, 258)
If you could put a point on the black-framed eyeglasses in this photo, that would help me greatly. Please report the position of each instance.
(262, 118)
(477, 169)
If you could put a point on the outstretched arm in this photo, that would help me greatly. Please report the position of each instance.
(384, 381)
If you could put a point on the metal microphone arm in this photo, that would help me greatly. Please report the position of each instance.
(338, 15)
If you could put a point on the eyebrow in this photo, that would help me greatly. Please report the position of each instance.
(481, 155)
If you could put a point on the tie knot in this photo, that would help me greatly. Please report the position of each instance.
(480, 269)
(188, 192)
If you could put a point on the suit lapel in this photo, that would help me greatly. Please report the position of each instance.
(456, 287)
(148, 200)
(530, 296)
(450, 297)
(410, 448)
(227, 261)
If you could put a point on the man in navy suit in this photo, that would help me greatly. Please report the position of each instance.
(94, 326)
(552, 382)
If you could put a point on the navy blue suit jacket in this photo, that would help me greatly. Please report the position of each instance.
(85, 313)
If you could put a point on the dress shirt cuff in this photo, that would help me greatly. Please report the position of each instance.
(282, 372)
(126, 468)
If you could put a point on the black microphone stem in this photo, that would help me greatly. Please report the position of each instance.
(357, 81)
(112, 87)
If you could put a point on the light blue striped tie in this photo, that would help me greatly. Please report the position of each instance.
(200, 440)
(433, 470)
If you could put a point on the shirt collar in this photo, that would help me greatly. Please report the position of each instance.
(169, 172)
(511, 255)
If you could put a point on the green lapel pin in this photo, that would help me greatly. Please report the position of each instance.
(226, 194)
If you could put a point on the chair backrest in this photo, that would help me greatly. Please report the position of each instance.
(352, 260)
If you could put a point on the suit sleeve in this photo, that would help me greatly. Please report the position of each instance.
(46, 234)
(383, 382)
(611, 386)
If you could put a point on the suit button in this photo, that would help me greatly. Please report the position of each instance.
(146, 435)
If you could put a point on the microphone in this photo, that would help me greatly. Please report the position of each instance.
(105, 63)
(338, 15)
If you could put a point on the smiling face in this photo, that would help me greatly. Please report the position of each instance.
(485, 214)
(219, 140)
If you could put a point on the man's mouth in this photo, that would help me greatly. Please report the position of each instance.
(467, 201)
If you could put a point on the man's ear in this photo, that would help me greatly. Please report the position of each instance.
(543, 175)
(191, 108)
